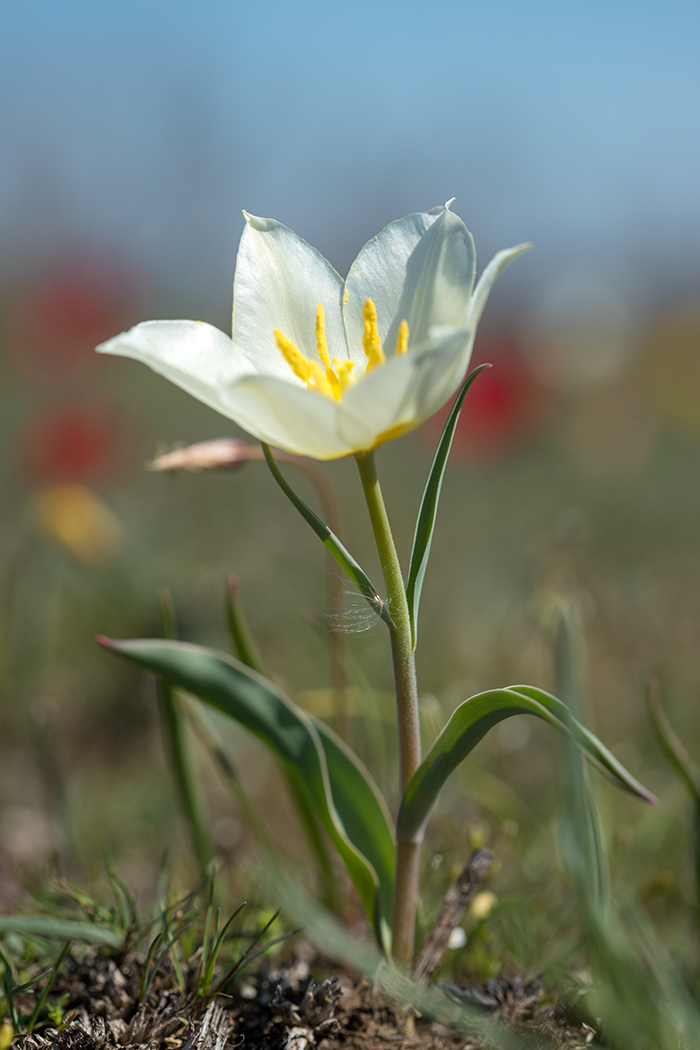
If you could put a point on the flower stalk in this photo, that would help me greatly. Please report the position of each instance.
(404, 666)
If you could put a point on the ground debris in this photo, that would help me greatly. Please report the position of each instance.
(282, 1009)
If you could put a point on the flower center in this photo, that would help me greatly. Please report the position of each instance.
(333, 376)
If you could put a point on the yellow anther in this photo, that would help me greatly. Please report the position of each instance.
(402, 339)
(321, 343)
(371, 342)
(294, 357)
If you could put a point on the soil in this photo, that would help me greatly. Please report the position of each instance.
(282, 1009)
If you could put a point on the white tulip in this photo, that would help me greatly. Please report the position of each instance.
(324, 367)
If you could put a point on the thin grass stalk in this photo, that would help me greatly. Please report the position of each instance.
(45, 990)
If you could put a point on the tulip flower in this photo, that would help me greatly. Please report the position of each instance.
(323, 367)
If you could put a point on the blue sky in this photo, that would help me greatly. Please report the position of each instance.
(144, 127)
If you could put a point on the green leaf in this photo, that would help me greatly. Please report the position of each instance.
(682, 764)
(581, 839)
(363, 812)
(673, 748)
(244, 645)
(343, 556)
(337, 787)
(59, 929)
(470, 723)
(425, 525)
(178, 749)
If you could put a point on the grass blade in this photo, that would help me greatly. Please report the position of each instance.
(45, 990)
(59, 929)
(244, 646)
(177, 747)
(425, 524)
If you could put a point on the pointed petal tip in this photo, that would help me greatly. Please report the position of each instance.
(257, 223)
(450, 201)
(105, 642)
(104, 348)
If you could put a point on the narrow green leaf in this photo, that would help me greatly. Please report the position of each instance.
(470, 723)
(595, 751)
(673, 748)
(59, 929)
(290, 734)
(346, 561)
(582, 843)
(425, 524)
(244, 646)
(362, 810)
(683, 766)
(45, 990)
(177, 746)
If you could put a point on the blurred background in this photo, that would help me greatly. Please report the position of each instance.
(133, 135)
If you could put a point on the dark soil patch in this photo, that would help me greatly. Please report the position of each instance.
(276, 1010)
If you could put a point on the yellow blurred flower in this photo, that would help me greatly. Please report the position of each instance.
(482, 905)
(80, 522)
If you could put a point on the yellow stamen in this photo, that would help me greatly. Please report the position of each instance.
(402, 339)
(294, 357)
(371, 342)
(321, 342)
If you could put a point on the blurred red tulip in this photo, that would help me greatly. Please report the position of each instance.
(57, 322)
(75, 443)
(501, 405)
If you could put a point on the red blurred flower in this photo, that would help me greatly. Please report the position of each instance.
(57, 322)
(501, 405)
(75, 443)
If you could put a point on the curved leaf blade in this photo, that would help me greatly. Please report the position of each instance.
(470, 723)
(60, 929)
(425, 524)
(588, 742)
(341, 554)
(289, 733)
(363, 812)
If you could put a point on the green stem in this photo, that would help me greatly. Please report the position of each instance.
(406, 885)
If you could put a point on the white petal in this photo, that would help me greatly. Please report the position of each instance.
(485, 282)
(195, 356)
(279, 282)
(419, 269)
(287, 416)
(406, 391)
